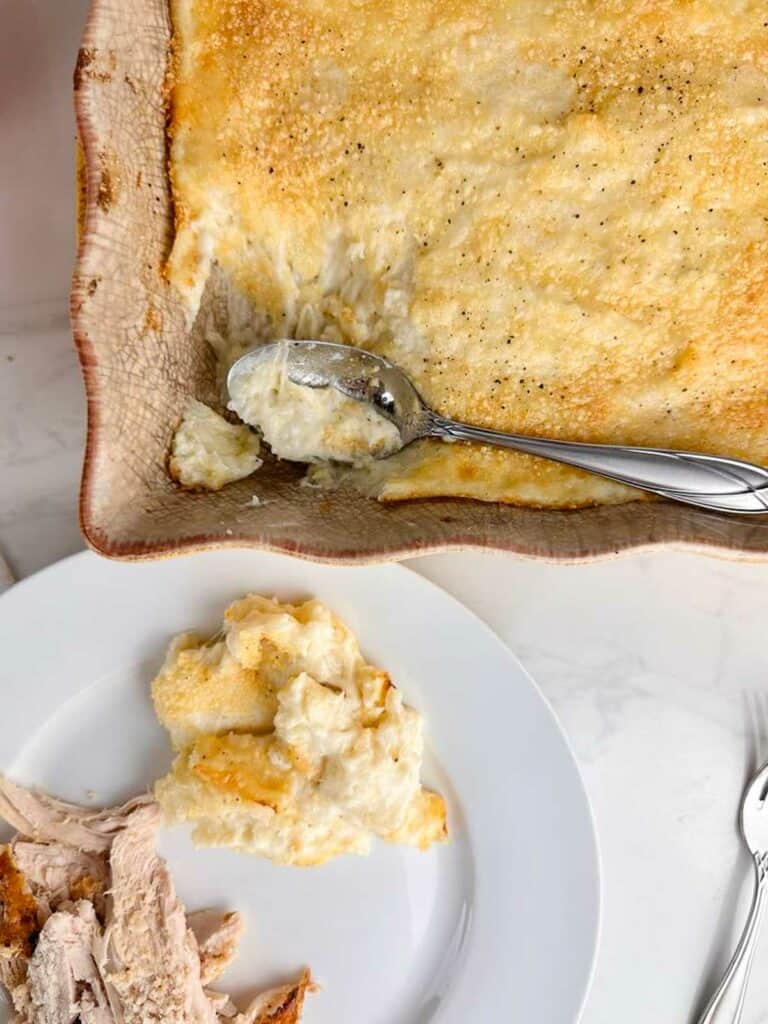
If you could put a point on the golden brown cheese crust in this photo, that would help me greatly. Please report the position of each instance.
(553, 216)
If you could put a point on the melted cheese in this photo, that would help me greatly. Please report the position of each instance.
(553, 216)
(288, 743)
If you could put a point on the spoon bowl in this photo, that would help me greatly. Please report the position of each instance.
(354, 372)
(754, 812)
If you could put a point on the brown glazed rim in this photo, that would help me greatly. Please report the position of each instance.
(581, 534)
(86, 187)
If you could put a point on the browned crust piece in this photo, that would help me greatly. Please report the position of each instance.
(284, 1005)
(18, 910)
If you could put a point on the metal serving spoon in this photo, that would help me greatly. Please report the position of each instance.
(707, 481)
(727, 1003)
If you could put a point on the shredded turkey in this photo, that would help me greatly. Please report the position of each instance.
(278, 1006)
(57, 873)
(47, 820)
(64, 981)
(91, 930)
(152, 960)
(218, 936)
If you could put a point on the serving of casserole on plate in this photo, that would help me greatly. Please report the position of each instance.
(555, 219)
(503, 908)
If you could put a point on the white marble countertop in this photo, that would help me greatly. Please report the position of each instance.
(655, 662)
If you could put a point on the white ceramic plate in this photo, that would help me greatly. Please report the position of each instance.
(499, 925)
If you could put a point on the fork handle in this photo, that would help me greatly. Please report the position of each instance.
(727, 1003)
(707, 481)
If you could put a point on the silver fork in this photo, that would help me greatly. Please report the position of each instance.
(727, 1004)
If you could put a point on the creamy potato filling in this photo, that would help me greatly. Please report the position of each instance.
(309, 424)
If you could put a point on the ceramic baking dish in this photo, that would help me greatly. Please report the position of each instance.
(140, 365)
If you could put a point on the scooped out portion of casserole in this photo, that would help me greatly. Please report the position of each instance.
(288, 743)
(553, 217)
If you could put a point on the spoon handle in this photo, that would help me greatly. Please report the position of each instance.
(727, 1003)
(707, 481)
